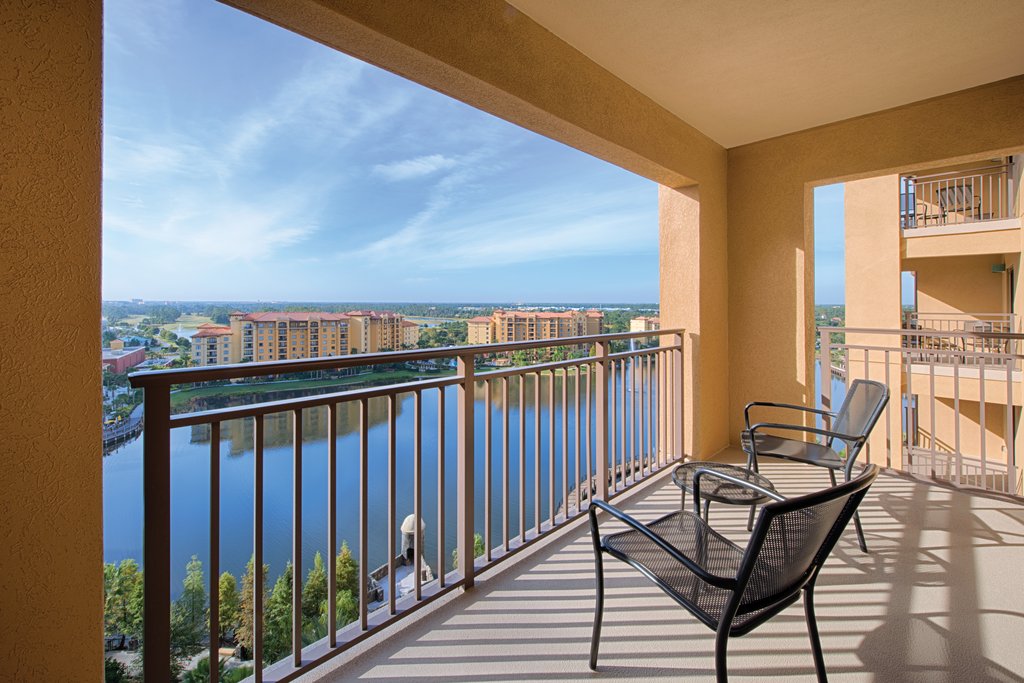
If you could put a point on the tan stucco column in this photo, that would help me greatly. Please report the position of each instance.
(51, 503)
(872, 220)
(694, 296)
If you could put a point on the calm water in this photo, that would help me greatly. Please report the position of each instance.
(190, 453)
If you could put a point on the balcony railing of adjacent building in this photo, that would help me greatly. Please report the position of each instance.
(623, 416)
(959, 402)
(955, 324)
(955, 197)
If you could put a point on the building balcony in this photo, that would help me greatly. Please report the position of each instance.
(524, 607)
(958, 197)
(929, 602)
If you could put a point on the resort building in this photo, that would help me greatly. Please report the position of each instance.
(738, 112)
(509, 326)
(375, 331)
(289, 335)
(271, 335)
(120, 358)
(644, 324)
(410, 334)
(212, 345)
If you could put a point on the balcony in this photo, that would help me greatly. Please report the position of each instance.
(960, 395)
(926, 602)
(957, 198)
(592, 426)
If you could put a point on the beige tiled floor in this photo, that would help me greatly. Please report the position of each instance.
(938, 598)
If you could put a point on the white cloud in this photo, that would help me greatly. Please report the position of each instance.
(419, 167)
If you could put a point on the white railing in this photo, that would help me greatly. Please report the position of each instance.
(979, 194)
(959, 405)
(622, 416)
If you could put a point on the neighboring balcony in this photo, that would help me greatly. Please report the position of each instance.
(960, 212)
(956, 400)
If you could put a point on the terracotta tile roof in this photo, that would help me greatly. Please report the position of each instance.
(408, 323)
(479, 319)
(296, 316)
(207, 330)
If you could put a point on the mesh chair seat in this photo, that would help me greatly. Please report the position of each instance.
(733, 590)
(791, 449)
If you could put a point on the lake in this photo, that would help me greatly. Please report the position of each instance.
(190, 449)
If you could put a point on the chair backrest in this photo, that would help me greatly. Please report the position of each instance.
(861, 409)
(956, 198)
(793, 538)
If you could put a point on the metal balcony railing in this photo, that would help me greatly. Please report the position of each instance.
(955, 324)
(624, 414)
(959, 402)
(979, 194)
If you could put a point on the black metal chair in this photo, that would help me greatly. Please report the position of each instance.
(733, 590)
(852, 425)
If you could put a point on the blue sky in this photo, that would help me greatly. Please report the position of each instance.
(243, 162)
(829, 255)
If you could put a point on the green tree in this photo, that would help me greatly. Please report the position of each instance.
(278, 638)
(188, 614)
(123, 584)
(230, 604)
(346, 575)
(115, 672)
(346, 570)
(246, 621)
(478, 549)
(314, 593)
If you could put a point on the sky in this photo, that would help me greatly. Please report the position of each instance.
(829, 250)
(244, 162)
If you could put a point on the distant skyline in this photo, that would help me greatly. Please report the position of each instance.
(244, 162)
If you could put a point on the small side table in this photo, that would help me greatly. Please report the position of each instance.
(720, 490)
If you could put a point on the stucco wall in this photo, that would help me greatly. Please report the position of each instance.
(51, 588)
(771, 240)
(964, 284)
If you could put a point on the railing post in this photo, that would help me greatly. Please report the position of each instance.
(677, 395)
(601, 419)
(156, 533)
(466, 477)
(825, 368)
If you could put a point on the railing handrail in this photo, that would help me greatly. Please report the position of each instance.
(281, 367)
(960, 173)
(1006, 315)
(921, 333)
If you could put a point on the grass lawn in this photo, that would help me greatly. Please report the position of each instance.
(182, 396)
(187, 322)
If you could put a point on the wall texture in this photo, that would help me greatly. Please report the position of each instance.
(771, 238)
(51, 588)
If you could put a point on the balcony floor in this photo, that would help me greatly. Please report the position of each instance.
(938, 598)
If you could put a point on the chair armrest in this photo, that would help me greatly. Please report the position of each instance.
(788, 406)
(799, 428)
(702, 574)
(728, 477)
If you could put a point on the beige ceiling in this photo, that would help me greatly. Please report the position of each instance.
(746, 70)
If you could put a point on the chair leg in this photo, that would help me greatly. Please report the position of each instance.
(721, 645)
(595, 638)
(707, 505)
(750, 518)
(860, 532)
(812, 630)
